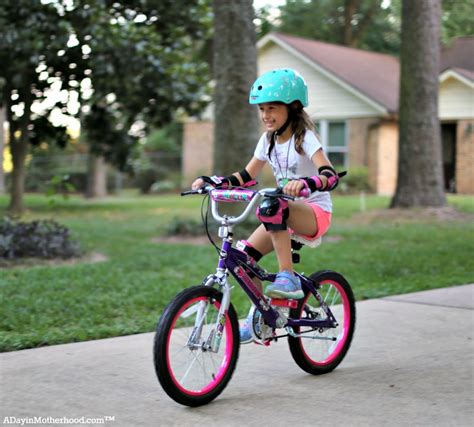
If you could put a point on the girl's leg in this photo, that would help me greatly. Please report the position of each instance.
(261, 240)
(302, 220)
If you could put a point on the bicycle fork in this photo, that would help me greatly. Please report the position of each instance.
(213, 340)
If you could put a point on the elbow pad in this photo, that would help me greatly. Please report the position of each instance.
(247, 180)
(332, 176)
(314, 183)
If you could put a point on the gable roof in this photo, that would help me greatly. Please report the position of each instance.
(459, 54)
(370, 75)
(460, 74)
(457, 60)
(373, 76)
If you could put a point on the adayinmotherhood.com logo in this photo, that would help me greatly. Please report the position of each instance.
(22, 421)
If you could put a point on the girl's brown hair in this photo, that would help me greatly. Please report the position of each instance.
(299, 122)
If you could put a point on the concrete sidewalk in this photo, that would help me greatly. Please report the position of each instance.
(411, 363)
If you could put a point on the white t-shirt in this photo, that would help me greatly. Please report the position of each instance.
(286, 163)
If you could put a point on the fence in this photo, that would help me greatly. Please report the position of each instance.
(154, 171)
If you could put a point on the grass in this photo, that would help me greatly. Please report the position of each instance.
(52, 304)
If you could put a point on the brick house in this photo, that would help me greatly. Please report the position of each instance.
(353, 99)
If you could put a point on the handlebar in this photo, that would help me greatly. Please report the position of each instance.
(245, 195)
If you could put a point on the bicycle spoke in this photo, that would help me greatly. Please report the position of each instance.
(183, 379)
(193, 367)
(321, 346)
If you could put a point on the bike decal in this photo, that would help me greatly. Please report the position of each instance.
(232, 195)
(219, 332)
(239, 271)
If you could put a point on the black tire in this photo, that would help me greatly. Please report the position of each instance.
(320, 356)
(175, 361)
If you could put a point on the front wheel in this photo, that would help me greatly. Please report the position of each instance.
(318, 351)
(187, 369)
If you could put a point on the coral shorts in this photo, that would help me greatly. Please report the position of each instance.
(323, 219)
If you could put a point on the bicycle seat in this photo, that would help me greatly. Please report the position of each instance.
(302, 241)
(296, 245)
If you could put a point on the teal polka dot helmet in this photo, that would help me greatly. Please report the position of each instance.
(280, 85)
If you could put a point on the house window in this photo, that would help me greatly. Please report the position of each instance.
(334, 140)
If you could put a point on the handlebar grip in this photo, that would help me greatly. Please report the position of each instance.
(304, 192)
(203, 190)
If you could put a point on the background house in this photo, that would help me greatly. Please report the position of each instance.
(353, 97)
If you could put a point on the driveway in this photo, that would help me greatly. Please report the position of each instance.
(411, 363)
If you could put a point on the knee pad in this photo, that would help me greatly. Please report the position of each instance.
(273, 213)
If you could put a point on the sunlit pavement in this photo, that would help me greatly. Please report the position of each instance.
(411, 363)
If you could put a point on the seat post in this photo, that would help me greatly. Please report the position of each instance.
(295, 246)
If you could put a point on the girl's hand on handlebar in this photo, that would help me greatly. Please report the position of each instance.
(293, 188)
(197, 184)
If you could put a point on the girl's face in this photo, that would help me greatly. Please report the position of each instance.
(273, 115)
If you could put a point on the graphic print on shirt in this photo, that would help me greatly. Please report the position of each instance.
(284, 165)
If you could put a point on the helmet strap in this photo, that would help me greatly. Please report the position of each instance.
(286, 124)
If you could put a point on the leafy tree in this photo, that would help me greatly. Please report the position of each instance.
(33, 39)
(420, 174)
(356, 23)
(136, 57)
(363, 24)
(235, 67)
(167, 139)
(457, 19)
(143, 67)
(2, 145)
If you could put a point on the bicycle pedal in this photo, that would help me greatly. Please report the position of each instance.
(290, 303)
(264, 343)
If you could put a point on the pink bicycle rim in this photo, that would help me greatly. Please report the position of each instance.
(345, 327)
(225, 362)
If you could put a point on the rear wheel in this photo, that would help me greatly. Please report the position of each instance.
(189, 372)
(319, 351)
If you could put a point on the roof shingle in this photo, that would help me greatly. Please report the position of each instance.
(375, 75)
(460, 54)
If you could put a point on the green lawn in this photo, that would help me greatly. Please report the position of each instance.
(51, 304)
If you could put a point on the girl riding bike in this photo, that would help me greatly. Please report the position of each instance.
(298, 161)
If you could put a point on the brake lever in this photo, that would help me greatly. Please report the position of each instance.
(278, 193)
(203, 190)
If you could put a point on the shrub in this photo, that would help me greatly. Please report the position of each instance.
(356, 180)
(164, 186)
(38, 239)
(185, 227)
(145, 178)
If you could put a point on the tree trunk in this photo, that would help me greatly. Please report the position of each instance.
(2, 147)
(96, 177)
(352, 35)
(19, 150)
(236, 128)
(349, 11)
(420, 173)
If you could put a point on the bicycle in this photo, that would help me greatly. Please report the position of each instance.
(197, 338)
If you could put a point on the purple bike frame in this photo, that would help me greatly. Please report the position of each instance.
(237, 262)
